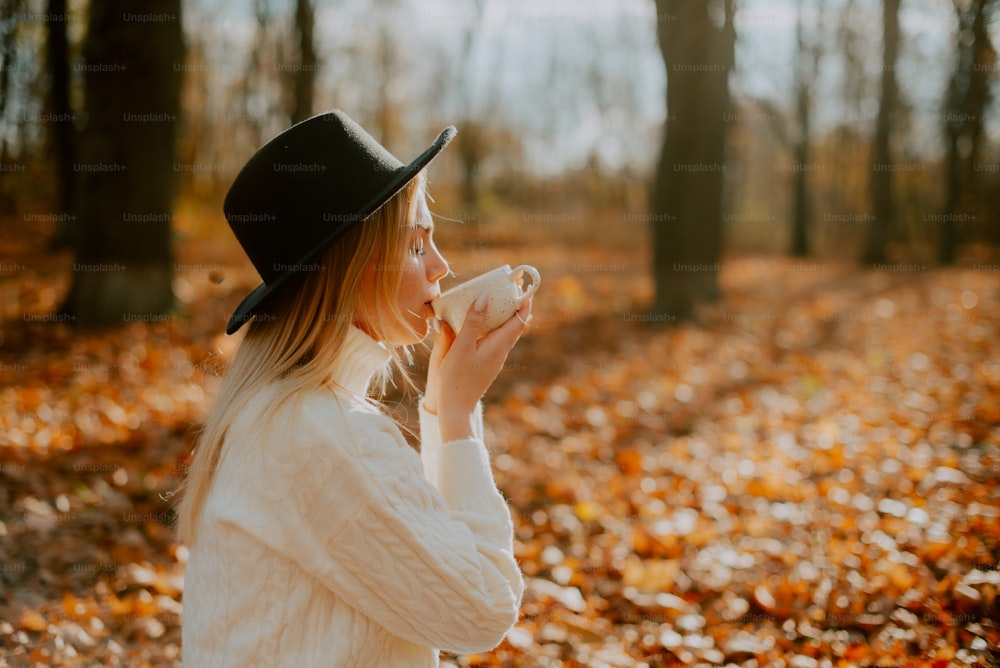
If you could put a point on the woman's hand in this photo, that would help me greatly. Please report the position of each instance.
(462, 368)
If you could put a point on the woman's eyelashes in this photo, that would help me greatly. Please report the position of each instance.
(418, 245)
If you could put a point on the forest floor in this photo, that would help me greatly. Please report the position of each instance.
(807, 476)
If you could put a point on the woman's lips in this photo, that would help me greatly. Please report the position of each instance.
(428, 310)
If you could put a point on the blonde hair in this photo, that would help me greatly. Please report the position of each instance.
(296, 345)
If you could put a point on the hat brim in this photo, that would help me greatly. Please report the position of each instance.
(251, 304)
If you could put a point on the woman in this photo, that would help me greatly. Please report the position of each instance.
(317, 535)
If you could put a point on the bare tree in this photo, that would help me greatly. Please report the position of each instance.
(63, 135)
(472, 143)
(966, 101)
(123, 267)
(258, 94)
(304, 80)
(388, 64)
(697, 42)
(848, 190)
(883, 206)
(11, 64)
(809, 51)
(806, 68)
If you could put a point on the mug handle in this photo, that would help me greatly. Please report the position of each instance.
(535, 279)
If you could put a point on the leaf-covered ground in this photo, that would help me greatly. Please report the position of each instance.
(808, 476)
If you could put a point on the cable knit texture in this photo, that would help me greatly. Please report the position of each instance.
(326, 540)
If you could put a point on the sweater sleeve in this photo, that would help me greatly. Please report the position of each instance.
(431, 447)
(349, 502)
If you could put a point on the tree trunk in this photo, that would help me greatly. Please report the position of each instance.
(883, 206)
(948, 239)
(63, 133)
(806, 66)
(124, 173)
(968, 98)
(471, 148)
(844, 190)
(305, 76)
(686, 198)
(800, 188)
(10, 62)
(471, 140)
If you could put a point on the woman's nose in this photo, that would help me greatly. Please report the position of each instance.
(437, 267)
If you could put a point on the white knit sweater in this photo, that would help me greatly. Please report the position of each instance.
(326, 540)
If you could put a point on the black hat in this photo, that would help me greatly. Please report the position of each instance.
(306, 187)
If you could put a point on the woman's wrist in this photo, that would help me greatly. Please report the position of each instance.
(456, 425)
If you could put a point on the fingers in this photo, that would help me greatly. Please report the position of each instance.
(475, 319)
(503, 338)
(519, 321)
(524, 314)
(473, 363)
(442, 343)
(506, 335)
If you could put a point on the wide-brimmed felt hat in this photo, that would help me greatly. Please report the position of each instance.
(303, 190)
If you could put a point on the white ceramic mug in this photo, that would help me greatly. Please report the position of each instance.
(500, 284)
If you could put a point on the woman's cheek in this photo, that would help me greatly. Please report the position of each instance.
(409, 288)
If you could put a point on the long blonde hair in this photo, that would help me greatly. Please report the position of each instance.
(297, 343)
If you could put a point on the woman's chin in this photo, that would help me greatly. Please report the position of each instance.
(422, 329)
(418, 331)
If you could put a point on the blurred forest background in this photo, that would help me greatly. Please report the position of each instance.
(799, 464)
